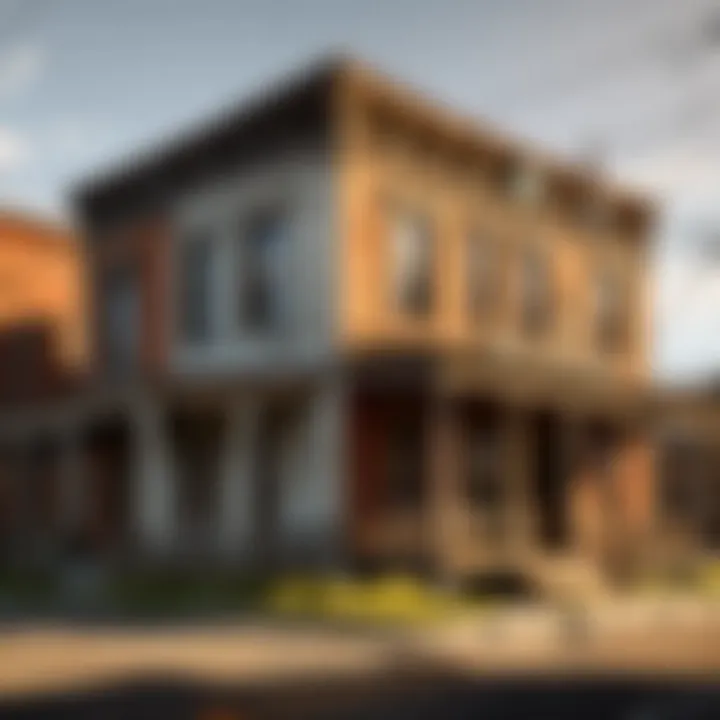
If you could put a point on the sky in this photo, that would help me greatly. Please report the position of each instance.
(636, 82)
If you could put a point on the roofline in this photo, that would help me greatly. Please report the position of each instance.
(481, 132)
(153, 155)
(377, 86)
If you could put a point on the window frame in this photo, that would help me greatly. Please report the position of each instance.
(395, 212)
(546, 308)
(484, 305)
(611, 328)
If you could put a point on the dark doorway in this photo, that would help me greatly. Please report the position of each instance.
(550, 485)
(109, 445)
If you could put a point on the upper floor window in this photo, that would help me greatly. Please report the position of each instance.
(484, 276)
(262, 285)
(536, 288)
(611, 312)
(120, 319)
(196, 284)
(411, 263)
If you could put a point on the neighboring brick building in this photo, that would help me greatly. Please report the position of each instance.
(43, 348)
(42, 313)
(341, 324)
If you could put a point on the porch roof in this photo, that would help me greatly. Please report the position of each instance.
(548, 383)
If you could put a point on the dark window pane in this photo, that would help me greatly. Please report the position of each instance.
(404, 463)
(195, 288)
(484, 477)
(261, 257)
(120, 322)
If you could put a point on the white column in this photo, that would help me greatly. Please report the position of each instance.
(237, 474)
(153, 482)
(313, 496)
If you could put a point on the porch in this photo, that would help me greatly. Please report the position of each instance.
(467, 485)
(221, 475)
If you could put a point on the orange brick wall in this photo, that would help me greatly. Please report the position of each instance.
(425, 161)
(43, 286)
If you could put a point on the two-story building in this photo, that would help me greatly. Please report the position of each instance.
(341, 324)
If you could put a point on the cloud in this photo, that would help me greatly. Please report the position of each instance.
(14, 150)
(21, 66)
(679, 175)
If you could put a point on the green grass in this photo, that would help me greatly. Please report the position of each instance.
(389, 600)
(27, 590)
(165, 593)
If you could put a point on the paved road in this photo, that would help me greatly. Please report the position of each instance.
(618, 698)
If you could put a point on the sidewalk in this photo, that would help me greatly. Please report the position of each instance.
(56, 659)
(641, 637)
(634, 635)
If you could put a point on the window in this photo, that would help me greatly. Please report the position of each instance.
(195, 289)
(610, 313)
(483, 486)
(483, 480)
(404, 467)
(679, 481)
(411, 264)
(484, 277)
(261, 270)
(120, 321)
(536, 293)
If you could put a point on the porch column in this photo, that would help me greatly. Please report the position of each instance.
(327, 463)
(237, 473)
(444, 487)
(313, 501)
(154, 486)
(517, 463)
